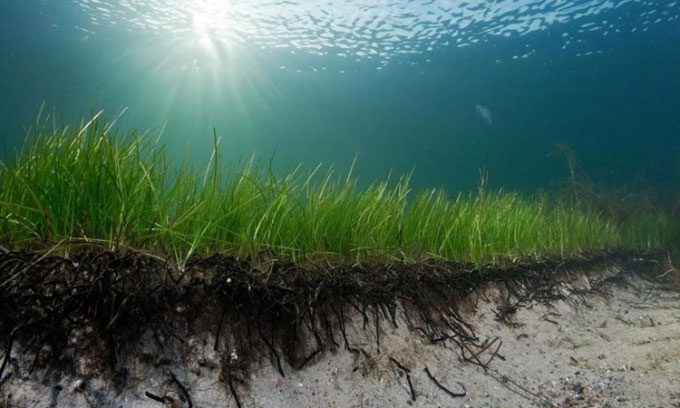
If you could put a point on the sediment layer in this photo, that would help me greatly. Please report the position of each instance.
(97, 308)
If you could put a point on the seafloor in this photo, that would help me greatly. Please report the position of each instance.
(122, 329)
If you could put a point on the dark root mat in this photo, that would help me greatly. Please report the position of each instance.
(102, 302)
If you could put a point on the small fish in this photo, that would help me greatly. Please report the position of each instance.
(485, 113)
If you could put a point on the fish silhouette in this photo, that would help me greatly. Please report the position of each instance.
(485, 113)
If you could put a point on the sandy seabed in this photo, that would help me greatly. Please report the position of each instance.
(619, 348)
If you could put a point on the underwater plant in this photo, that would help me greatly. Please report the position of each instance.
(87, 185)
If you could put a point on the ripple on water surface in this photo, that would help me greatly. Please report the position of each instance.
(376, 29)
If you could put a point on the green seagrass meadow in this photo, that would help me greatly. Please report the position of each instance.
(88, 185)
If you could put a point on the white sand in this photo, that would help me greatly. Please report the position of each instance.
(616, 351)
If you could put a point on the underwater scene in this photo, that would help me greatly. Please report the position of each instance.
(443, 88)
(434, 97)
(202, 192)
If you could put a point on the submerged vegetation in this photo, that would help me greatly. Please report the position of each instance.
(89, 185)
(103, 240)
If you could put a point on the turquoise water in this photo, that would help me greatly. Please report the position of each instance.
(442, 87)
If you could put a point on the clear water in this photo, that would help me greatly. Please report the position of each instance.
(445, 87)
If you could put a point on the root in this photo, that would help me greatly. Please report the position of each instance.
(102, 302)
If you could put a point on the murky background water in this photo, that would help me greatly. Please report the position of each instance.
(445, 87)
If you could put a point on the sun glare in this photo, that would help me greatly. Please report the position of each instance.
(208, 20)
(200, 65)
(199, 25)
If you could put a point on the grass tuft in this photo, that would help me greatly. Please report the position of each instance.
(87, 184)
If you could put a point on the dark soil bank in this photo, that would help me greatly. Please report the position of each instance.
(124, 329)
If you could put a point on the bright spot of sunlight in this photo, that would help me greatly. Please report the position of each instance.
(194, 57)
(208, 20)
